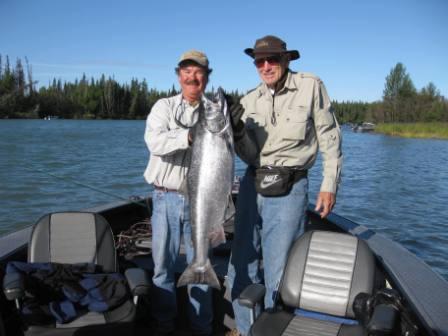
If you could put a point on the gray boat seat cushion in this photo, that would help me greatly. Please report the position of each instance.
(73, 237)
(324, 273)
(79, 237)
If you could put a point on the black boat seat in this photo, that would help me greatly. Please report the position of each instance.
(324, 273)
(81, 237)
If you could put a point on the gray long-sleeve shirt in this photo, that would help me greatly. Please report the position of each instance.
(166, 136)
(288, 128)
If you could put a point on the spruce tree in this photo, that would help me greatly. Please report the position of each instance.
(398, 93)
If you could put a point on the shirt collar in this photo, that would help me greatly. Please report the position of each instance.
(289, 83)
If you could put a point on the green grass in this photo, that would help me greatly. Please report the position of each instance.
(434, 130)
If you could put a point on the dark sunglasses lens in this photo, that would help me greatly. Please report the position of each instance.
(272, 60)
(259, 62)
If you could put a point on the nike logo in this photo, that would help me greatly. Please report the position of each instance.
(268, 181)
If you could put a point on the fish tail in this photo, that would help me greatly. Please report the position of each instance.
(193, 275)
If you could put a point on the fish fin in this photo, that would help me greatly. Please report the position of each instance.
(217, 236)
(199, 277)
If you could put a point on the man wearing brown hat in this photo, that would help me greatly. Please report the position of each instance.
(168, 139)
(279, 128)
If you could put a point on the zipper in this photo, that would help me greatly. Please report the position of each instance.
(273, 118)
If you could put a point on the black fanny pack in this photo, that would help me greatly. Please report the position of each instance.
(277, 181)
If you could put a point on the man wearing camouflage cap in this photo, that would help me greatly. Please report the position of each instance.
(168, 139)
(279, 128)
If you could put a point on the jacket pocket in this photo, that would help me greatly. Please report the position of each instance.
(295, 125)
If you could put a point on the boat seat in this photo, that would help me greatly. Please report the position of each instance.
(324, 274)
(70, 238)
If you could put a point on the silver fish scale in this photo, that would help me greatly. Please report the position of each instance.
(209, 181)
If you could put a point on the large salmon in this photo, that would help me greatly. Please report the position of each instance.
(209, 187)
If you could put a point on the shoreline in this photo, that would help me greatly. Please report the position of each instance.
(420, 130)
(432, 130)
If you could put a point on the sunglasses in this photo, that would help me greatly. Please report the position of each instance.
(272, 60)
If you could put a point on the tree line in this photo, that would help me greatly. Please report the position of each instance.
(102, 98)
(105, 98)
(401, 103)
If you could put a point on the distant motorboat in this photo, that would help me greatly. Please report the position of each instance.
(50, 117)
(364, 127)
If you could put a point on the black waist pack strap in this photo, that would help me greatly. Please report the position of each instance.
(276, 181)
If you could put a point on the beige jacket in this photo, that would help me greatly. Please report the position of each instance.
(167, 141)
(287, 129)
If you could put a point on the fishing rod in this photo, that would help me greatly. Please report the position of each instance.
(70, 180)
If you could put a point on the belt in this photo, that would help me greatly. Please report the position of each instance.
(156, 187)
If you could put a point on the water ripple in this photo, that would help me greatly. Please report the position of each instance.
(395, 186)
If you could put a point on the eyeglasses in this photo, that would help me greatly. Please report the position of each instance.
(272, 60)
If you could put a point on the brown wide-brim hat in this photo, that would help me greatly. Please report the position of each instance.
(271, 45)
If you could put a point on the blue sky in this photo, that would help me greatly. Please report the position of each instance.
(351, 45)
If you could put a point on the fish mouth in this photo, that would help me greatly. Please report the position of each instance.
(215, 113)
(217, 105)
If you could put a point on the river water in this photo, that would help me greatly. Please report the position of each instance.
(398, 187)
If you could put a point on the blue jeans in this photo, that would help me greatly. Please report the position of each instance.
(171, 219)
(265, 228)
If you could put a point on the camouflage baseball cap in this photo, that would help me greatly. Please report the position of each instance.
(196, 56)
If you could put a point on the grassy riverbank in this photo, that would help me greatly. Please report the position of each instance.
(435, 130)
